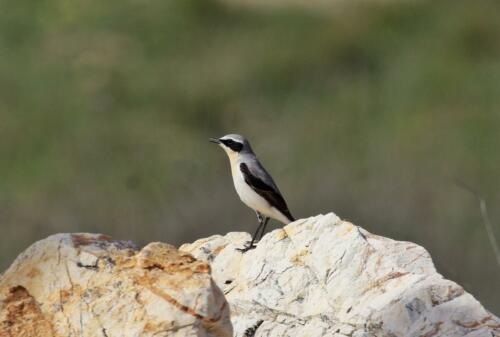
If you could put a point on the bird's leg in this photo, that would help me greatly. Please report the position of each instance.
(266, 220)
(250, 244)
(260, 218)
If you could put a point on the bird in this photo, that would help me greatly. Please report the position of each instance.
(254, 185)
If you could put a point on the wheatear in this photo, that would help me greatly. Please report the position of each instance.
(255, 187)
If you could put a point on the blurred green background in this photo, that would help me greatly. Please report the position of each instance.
(368, 110)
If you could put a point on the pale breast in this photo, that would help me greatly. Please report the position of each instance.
(247, 194)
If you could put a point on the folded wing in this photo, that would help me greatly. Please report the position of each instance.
(266, 190)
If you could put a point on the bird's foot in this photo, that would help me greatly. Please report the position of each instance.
(247, 247)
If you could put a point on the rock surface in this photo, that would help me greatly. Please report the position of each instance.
(326, 277)
(315, 277)
(88, 285)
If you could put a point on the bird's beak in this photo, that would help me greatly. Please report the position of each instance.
(214, 140)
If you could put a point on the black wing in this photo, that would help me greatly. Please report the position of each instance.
(271, 194)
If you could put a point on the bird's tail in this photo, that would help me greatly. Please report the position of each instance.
(289, 216)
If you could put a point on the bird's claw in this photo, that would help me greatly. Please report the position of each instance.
(246, 248)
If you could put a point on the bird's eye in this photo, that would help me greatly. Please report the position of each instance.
(229, 141)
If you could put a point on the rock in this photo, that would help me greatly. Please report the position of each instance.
(315, 277)
(326, 277)
(86, 285)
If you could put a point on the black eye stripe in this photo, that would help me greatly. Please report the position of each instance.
(227, 142)
(233, 145)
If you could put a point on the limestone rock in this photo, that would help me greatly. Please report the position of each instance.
(87, 285)
(323, 276)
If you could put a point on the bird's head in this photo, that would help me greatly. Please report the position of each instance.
(233, 144)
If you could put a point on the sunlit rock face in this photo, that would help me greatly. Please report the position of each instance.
(315, 277)
(86, 285)
(326, 277)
